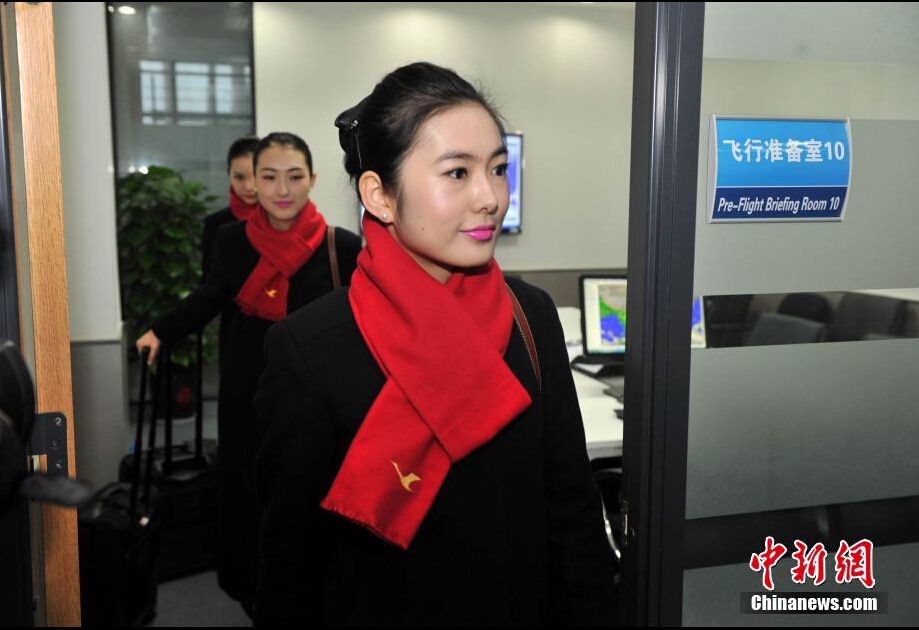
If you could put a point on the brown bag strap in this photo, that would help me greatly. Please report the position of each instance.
(333, 257)
(524, 326)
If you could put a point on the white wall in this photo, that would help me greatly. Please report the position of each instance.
(851, 32)
(775, 88)
(100, 405)
(561, 74)
(87, 171)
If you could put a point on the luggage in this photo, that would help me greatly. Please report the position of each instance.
(119, 535)
(186, 476)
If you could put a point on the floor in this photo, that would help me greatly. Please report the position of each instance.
(196, 601)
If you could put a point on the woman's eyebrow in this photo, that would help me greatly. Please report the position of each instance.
(271, 168)
(465, 155)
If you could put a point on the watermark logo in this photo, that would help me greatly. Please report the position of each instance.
(853, 562)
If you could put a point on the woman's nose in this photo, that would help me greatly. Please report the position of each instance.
(487, 198)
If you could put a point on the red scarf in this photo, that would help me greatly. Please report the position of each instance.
(240, 209)
(264, 293)
(448, 389)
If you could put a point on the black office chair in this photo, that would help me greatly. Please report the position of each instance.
(773, 329)
(859, 315)
(812, 306)
(608, 473)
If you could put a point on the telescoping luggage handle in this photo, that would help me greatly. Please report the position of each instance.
(139, 435)
(164, 367)
(199, 403)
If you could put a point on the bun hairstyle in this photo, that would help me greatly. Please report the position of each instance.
(241, 147)
(378, 132)
(283, 139)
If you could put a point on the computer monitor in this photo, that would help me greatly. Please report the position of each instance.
(513, 220)
(603, 318)
(697, 335)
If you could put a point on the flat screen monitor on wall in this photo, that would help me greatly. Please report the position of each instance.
(513, 220)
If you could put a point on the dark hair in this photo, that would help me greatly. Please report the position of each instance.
(378, 132)
(284, 139)
(240, 147)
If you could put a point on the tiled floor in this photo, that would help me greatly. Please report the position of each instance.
(196, 601)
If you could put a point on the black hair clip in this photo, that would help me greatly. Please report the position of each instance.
(347, 120)
(347, 123)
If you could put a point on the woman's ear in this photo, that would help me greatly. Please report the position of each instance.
(375, 199)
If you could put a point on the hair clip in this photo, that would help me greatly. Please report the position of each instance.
(347, 123)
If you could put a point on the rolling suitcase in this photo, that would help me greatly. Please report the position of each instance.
(186, 476)
(119, 536)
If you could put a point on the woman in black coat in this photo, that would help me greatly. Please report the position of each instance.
(243, 196)
(243, 202)
(423, 463)
(261, 269)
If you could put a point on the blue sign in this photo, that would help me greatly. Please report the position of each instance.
(778, 169)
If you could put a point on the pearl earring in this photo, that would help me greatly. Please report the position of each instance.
(385, 216)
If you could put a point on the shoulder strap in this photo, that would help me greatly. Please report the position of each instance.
(524, 326)
(333, 257)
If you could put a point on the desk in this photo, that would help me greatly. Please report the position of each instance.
(907, 295)
(602, 429)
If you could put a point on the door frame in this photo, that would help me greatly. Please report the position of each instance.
(667, 84)
(32, 101)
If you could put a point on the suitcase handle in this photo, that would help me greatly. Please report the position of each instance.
(162, 380)
(167, 360)
(199, 411)
(139, 435)
(199, 460)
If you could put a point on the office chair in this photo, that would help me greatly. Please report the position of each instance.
(775, 329)
(859, 315)
(812, 306)
(608, 473)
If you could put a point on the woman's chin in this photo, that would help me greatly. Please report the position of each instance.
(471, 264)
(287, 214)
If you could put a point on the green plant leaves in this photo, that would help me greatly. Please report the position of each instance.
(159, 218)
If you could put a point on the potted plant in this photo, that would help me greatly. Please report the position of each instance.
(160, 217)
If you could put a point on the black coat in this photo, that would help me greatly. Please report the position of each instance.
(241, 364)
(514, 537)
(212, 223)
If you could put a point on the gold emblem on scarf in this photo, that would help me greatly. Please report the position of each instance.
(407, 480)
(271, 292)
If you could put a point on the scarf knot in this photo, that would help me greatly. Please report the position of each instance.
(282, 254)
(448, 389)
